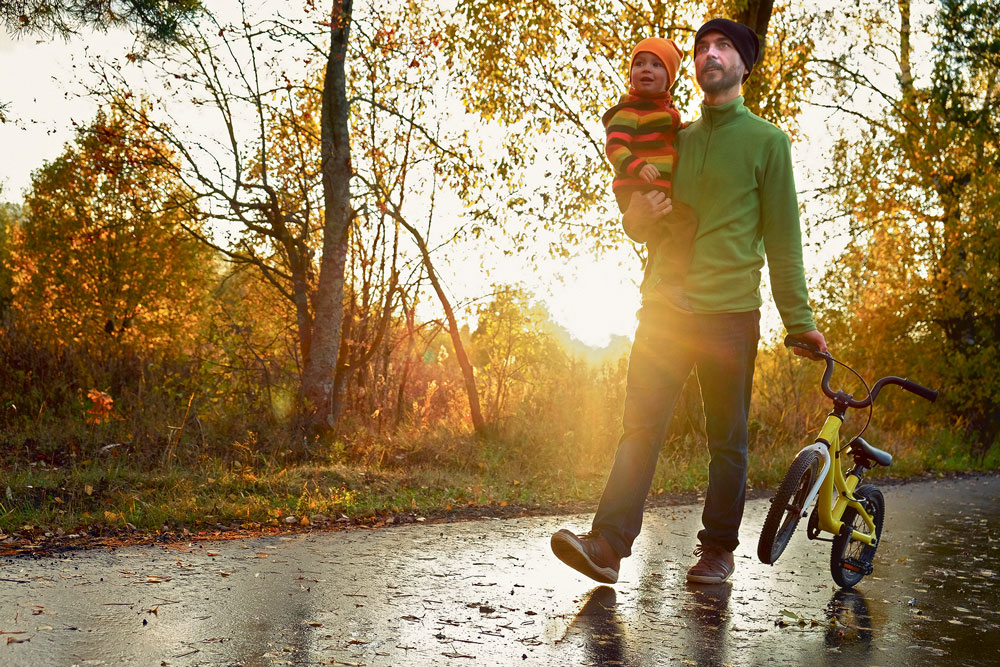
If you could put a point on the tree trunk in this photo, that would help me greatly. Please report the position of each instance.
(349, 362)
(410, 348)
(317, 379)
(905, 75)
(456, 339)
(303, 316)
(757, 15)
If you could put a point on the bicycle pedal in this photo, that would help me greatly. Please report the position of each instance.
(855, 565)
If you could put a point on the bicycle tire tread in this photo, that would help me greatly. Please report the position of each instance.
(770, 547)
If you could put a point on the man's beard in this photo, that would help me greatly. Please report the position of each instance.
(729, 78)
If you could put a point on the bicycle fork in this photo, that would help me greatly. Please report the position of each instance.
(826, 484)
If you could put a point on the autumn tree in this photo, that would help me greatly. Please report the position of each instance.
(100, 259)
(335, 160)
(312, 166)
(918, 283)
(408, 153)
(298, 244)
(514, 349)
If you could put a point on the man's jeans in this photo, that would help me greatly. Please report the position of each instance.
(668, 344)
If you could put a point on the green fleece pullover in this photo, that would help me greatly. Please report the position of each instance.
(735, 170)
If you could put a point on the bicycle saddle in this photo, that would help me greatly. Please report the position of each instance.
(860, 448)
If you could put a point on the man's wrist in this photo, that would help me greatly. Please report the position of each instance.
(635, 227)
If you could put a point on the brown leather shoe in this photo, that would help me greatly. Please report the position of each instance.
(589, 553)
(713, 567)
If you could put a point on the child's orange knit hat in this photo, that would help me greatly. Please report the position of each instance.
(665, 50)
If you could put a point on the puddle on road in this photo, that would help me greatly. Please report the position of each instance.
(490, 593)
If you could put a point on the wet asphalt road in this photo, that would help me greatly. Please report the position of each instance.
(491, 593)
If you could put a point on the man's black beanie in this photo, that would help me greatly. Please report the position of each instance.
(743, 38)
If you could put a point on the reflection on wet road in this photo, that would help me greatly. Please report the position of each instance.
(490, 593)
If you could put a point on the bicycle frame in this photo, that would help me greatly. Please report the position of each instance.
(829, 510)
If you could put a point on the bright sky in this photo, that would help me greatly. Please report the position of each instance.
(592, 298)
(34, 78)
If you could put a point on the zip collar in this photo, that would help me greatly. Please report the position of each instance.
(723, 114)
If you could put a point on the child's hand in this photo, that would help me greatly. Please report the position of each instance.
(649, 173)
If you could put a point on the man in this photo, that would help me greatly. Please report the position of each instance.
(735, 171)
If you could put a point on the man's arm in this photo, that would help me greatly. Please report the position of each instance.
(783, 245)
(779, 213)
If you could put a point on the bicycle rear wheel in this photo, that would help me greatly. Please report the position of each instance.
(787, 505)
(851, 560)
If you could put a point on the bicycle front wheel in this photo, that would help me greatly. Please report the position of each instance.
(787, 506)
(851, 560)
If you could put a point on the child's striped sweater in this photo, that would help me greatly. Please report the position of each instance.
(641, 131)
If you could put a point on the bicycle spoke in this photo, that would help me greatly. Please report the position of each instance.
(850, 558)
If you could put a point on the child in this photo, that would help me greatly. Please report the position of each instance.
(641, 131)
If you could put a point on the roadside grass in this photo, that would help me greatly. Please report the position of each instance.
(434, 474)
(165, 450)
(119, 490)
(213, 493)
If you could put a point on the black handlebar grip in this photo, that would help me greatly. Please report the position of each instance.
(792, 341)
(920, 390)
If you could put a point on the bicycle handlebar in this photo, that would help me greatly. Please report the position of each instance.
(920, 390)
(909, 385)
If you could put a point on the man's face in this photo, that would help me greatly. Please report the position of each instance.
(717, 64)
(648, 74)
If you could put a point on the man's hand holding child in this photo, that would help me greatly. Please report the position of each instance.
(645, 211)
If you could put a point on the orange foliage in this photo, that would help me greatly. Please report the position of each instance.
(102, 255)
(102, 407)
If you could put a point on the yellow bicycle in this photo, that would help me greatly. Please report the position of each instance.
(852, 514)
